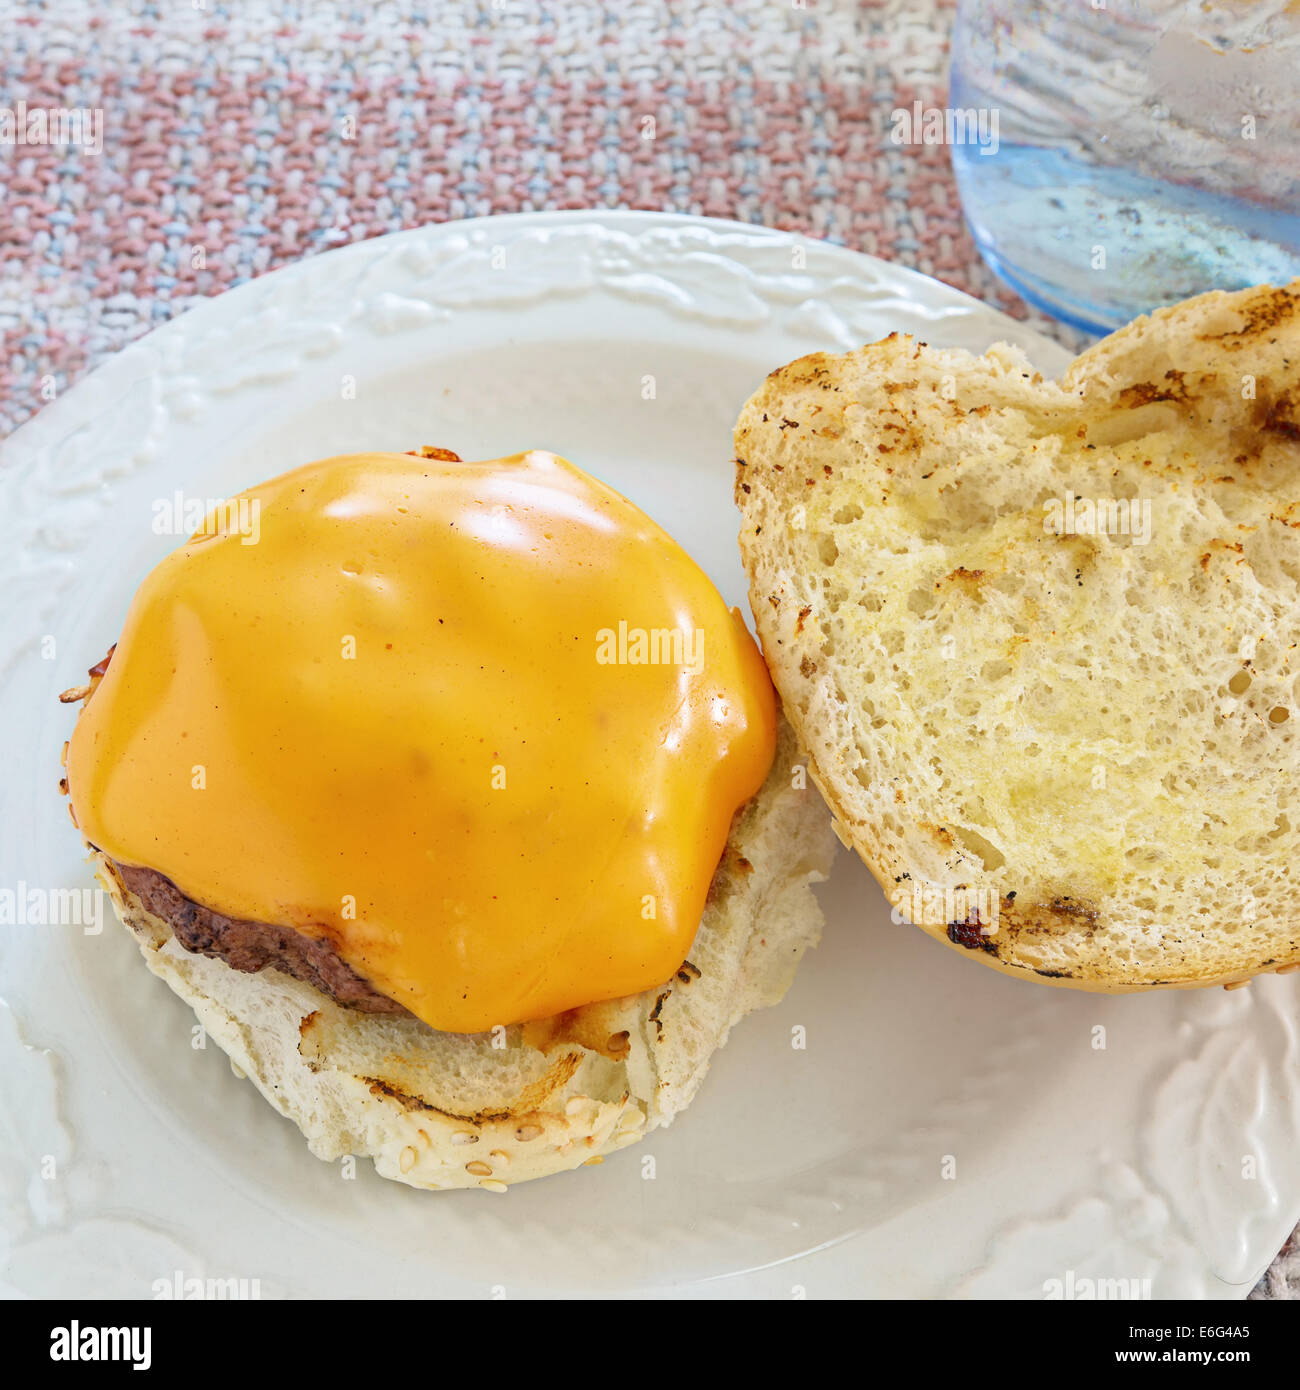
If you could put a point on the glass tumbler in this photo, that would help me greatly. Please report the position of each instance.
(1114, 156)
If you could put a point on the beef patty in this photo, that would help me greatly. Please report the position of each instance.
(253, 946)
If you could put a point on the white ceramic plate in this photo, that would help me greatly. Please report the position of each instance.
(946, 1130)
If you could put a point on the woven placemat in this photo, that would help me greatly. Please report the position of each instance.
(267, 132)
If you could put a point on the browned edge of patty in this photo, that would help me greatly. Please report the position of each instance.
(254, 946)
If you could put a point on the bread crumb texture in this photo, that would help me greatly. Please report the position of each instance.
(1039, 638)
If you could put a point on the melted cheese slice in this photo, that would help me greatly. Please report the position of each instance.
(482, 726)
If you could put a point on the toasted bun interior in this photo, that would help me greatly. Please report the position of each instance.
(1068, 745)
